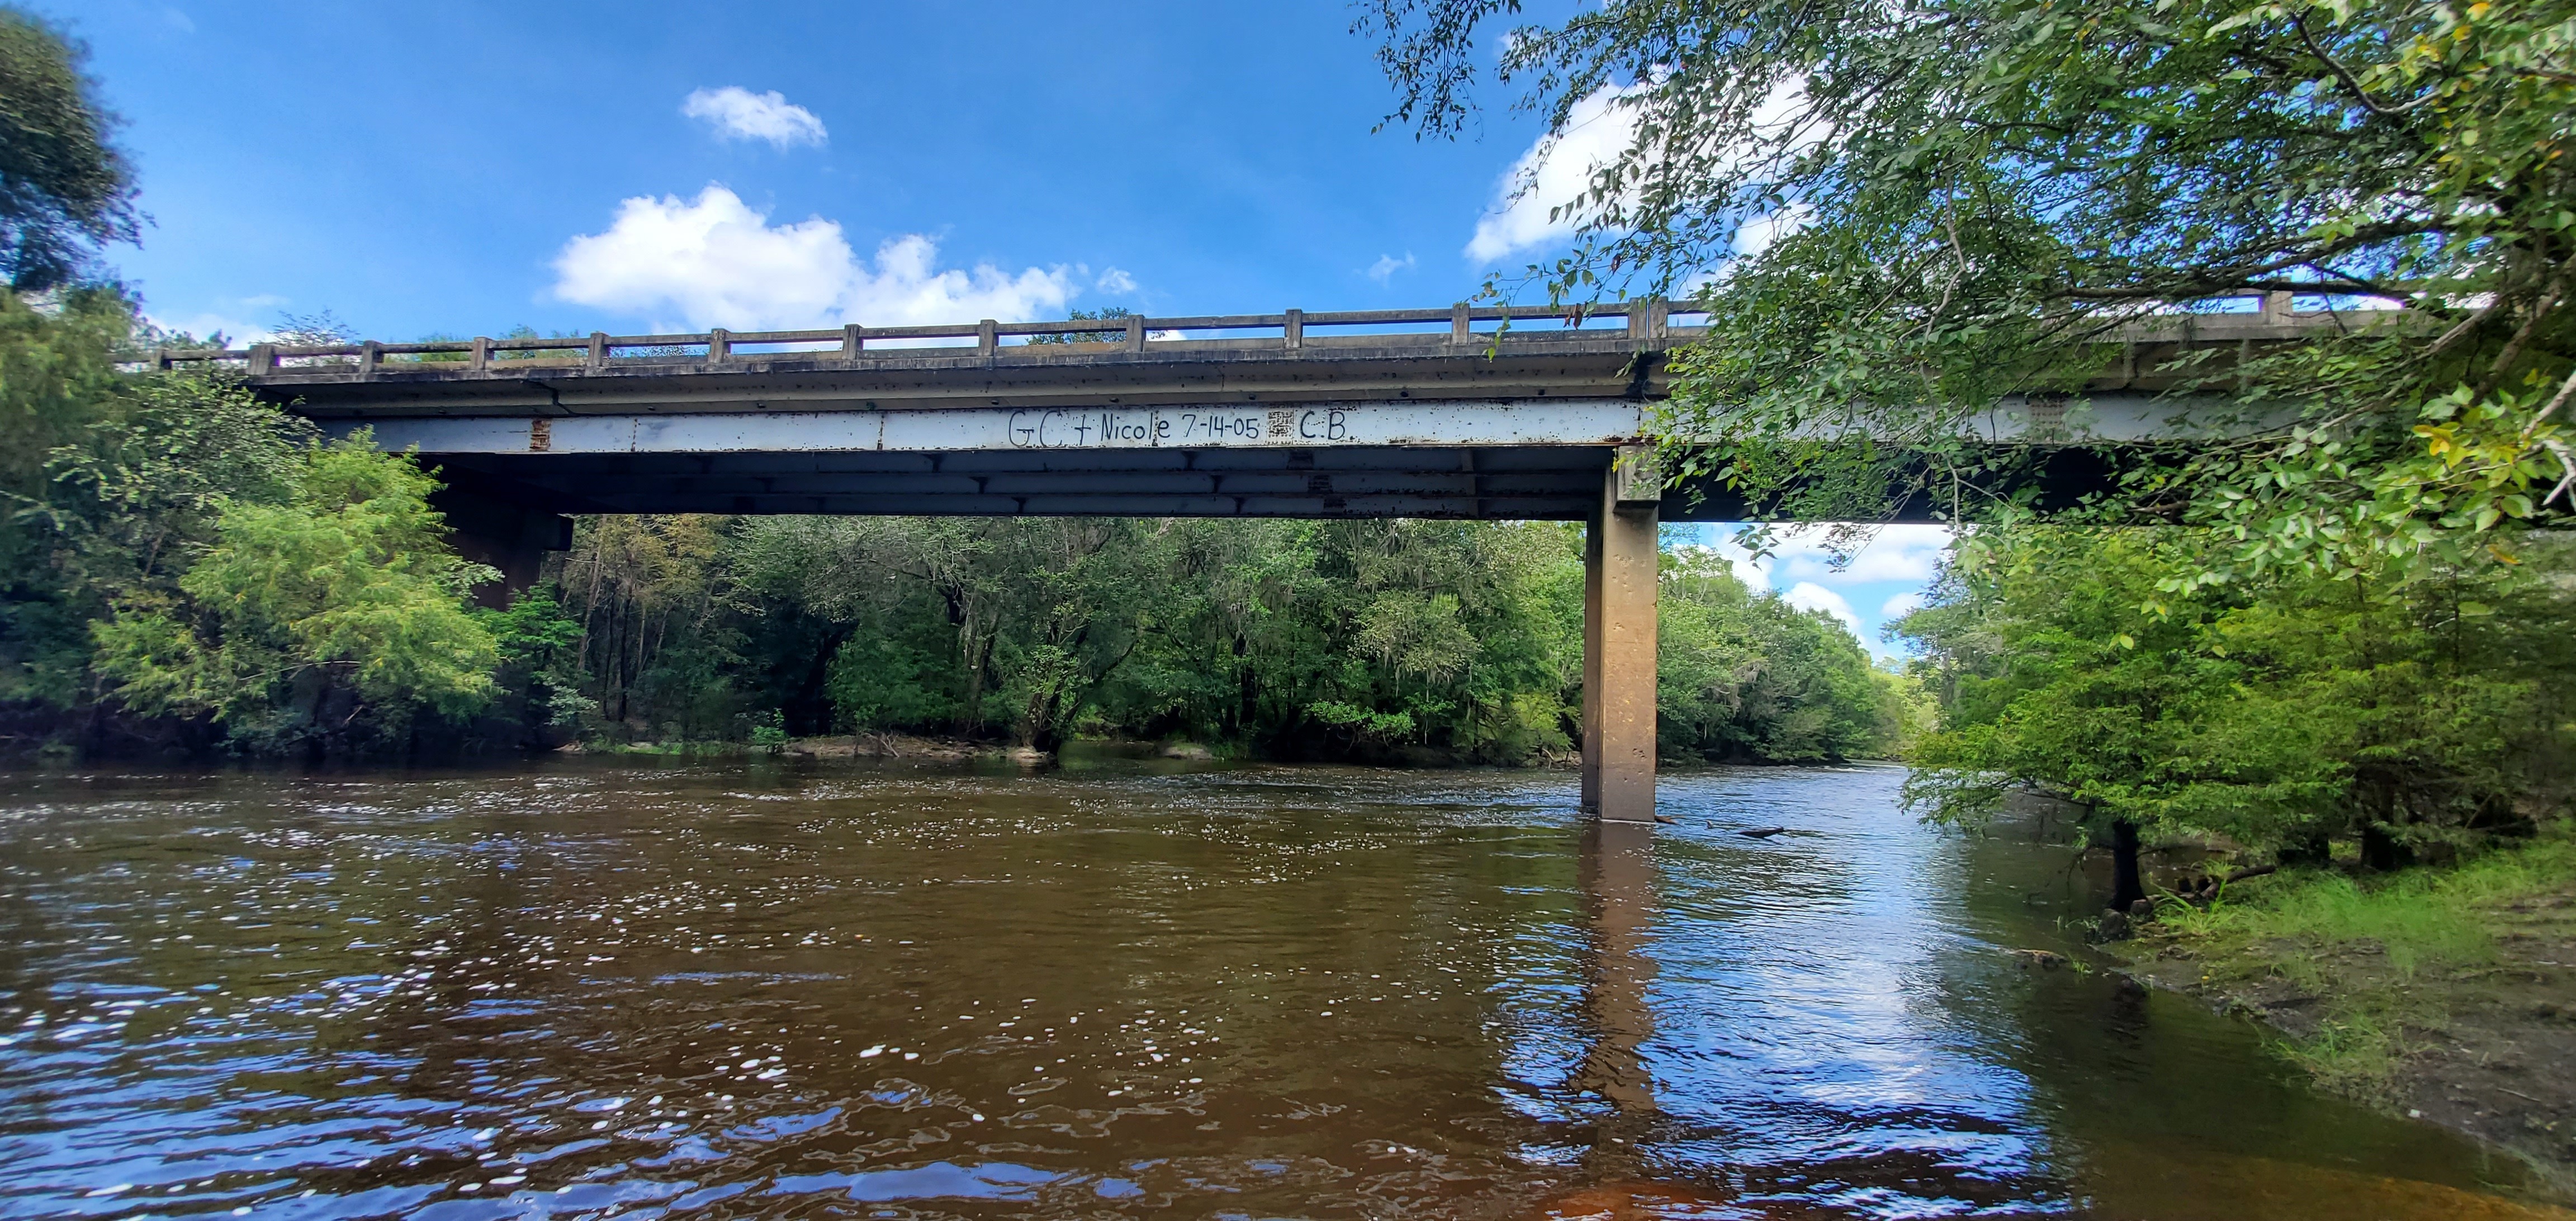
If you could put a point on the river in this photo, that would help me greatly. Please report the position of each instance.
(592, 988)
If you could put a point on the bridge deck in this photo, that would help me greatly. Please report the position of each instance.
(1491, 412)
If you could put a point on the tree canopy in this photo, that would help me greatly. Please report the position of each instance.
(65, 188)
(2280, 712)
(1967, 199)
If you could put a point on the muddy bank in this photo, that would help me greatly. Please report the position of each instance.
(2486, 1047)
(910, 747)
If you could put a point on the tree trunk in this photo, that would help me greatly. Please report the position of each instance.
(809, 710)
(979, 654)
(2127, 887)
(2313, 850)
(2383, 851)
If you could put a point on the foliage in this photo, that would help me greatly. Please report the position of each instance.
(637, 585)
(58, 383)
(1106, 313)
(176, 550)
(1290, 638)
(1741, 676)
(339, 600)
(1966, 199)
(2279, 713)
(539, 676)
(64, 188)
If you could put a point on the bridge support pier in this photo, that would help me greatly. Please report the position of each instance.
(1620, 560)
(509, 537)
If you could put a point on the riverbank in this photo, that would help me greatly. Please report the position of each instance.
(2447, 995)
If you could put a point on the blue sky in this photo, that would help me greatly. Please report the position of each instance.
(462, 168)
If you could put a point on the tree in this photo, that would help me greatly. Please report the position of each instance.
(1106, 313)
(1461, 639)
(307, 615)
(1747, 677)
(58, 381)
(65, 189)
(647, 592)
(1967, 198)
(2278, 713)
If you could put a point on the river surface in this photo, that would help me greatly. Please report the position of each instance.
(759, 989)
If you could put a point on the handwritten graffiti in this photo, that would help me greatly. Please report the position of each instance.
(1096, 429)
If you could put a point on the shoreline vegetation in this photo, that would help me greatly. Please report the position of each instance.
(2446, 994)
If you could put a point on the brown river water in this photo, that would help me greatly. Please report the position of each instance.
(760, 989)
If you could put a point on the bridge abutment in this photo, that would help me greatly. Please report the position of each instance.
(1620, 564)
(507, 536)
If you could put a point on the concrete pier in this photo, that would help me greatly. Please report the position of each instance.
(1620, 559)
(507, 536)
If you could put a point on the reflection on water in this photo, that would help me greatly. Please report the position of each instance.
(763, 990)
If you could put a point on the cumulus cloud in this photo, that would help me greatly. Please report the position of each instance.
(230, 317)
(1801, 570)
(715, 261)
(1387, 265)
(1553, 172)
(1556, 171)
(206, 325)
(1893, 553)
(737, 113)
(1115, 281)
(1809, 596)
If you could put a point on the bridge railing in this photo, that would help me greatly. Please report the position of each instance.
(1649, 321)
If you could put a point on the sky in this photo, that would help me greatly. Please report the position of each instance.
(462, 168)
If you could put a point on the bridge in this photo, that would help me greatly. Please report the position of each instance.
(1494, 412)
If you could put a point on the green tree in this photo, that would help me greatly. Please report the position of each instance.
(58, 382)
(1037, 611)
(1291, 638)
(1106, 313)
(1970, 197)
(648, 592)
(1747, 677)
(65, 189)
(306, 615)
(2279, 713)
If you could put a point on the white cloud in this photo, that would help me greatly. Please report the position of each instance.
(739, 114)
(207, 325)
(1893, 553)
(1901, 605)
(1752, 570)
(230, 317)
(1387, 265)
(1809, 596)
(1552, 173)
(714, 261)
(1115, 281)
(1556, 171)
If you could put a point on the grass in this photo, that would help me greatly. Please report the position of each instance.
(2383, 956)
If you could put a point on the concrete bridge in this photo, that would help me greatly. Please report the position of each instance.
(1465, 412)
